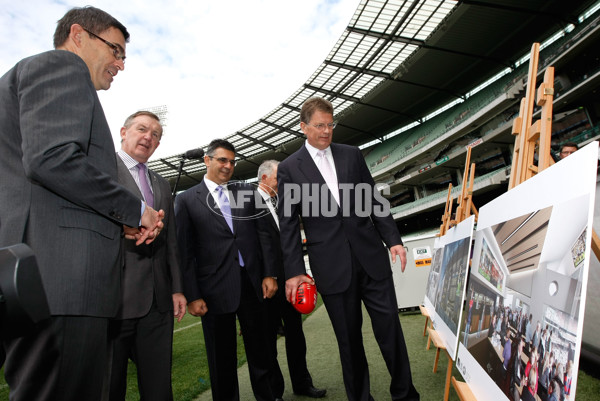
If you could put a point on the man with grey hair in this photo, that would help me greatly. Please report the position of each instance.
(152, 289)
(278, 308)
(59, 195)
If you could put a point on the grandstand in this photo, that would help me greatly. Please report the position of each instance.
(415, 83)
(385, 75)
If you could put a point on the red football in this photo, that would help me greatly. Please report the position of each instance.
(306, 298)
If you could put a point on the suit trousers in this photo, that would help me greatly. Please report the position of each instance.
(63, 360)
(279, 309)
(221, 347)
(148, 342)
(345, 312)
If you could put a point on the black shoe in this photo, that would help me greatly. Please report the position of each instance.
(311, 392)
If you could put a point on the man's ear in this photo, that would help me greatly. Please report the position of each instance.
(303, 126)
(75, 34)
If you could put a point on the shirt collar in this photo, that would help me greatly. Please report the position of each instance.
(313, 151)
(211, 185)
(129, 161)
(263, 193)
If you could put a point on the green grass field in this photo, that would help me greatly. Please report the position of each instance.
(190, 370)
(191, 378)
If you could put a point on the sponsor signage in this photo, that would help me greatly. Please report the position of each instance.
(422, 256)
(442, 160)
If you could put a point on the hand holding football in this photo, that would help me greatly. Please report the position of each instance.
(306, 298)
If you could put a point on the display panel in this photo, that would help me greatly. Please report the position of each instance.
(537, 236)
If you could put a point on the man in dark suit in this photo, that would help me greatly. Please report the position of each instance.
(345, 221)
(224, 274)
(152, 291)
(59, 194)
(516, 375)
(278, 307)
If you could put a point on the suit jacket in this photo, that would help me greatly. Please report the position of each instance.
(271, 249)
(357, 227)
(150, 270)
(58, 188)
(209, 250)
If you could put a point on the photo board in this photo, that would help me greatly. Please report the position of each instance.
(445, 293)
(529, 274)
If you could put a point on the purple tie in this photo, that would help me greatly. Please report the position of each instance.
(146, 191)
(226, 212)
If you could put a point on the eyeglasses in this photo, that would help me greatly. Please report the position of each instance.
(322, 126)
(118, 52)
(224, 160)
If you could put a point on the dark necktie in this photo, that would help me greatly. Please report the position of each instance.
(273, 200)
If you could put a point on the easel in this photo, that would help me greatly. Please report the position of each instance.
(447, 216)
(530, 138)
(465, 199)
(439, 344)
(463, 390)
(427, 317)
(463, 211)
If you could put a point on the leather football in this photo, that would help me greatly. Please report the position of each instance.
(306, 298)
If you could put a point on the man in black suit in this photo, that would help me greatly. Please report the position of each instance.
(224, 275)
(59, 194)
(345, 221)
(152, 291)
(278, 308)
(516, 376)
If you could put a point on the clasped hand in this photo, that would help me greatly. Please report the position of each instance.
(152, 225)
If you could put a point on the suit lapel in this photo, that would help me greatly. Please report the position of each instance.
(156, 192)
(340, 162)
(268, 212)
(307, 166)
(126, 179)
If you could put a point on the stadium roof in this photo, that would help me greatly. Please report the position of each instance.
(396, 62)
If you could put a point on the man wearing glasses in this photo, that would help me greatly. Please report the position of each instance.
(59, 194)
(567, 149)
(224, 274)
(345, 243)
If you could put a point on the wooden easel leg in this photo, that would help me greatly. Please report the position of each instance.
(448, 376)
(437, 358)
(425, 329)
(428, 343)
(596, 244)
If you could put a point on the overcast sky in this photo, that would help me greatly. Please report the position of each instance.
(218, 65)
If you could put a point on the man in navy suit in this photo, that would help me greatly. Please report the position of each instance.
(220, 239)
(59, 194)
(346, 223)
(152, 290)
(278, 308)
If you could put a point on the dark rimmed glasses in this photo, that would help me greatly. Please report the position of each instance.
(118, 52)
